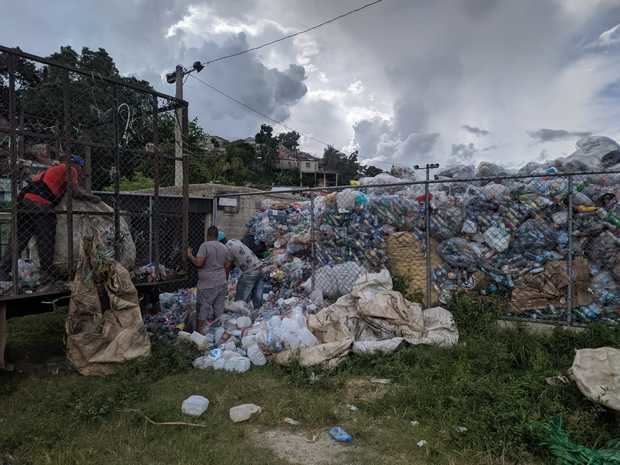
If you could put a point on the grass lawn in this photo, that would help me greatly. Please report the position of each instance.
(492, 383)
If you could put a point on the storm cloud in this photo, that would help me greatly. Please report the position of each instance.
(475, 131)
(548, 135)
(382, 81)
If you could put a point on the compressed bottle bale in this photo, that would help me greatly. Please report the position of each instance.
(407, 261)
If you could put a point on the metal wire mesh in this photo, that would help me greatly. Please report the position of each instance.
(546, 247)
(123, 133)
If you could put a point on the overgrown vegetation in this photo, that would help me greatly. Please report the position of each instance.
(492, 383)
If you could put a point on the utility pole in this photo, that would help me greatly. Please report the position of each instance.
(172, 78)
(178, 131)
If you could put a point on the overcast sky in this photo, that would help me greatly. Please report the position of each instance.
(405, 81)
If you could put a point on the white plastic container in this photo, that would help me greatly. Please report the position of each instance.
(195, 405)
(256, 355)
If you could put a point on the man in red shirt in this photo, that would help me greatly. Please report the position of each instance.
(36, 216)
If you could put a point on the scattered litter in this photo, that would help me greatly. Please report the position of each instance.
(460, 429)
(340, 435)
(291, 422)
(380, 381)
(244, 412)
(415, 423)
(557, 380)
(195, 405)
(353, 408)
(422, 443)
(163, 423)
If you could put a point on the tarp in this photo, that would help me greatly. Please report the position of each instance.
(104, 224)
(597, 375)
(372, 318)
(104, 327)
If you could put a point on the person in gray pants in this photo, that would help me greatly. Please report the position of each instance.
(213, 261)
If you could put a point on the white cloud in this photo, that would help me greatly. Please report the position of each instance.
(356, 87)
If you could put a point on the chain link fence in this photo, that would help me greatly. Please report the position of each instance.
(65, 135)
(545, 246)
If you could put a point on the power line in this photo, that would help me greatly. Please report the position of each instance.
(259, 113)
(290, 36)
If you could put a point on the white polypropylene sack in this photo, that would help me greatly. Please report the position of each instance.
(83, 224)
(195, 406)
(371, 347)
(597, 375)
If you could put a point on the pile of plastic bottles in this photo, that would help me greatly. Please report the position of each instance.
(491, 236)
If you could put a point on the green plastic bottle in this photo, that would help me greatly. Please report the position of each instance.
(610, 217)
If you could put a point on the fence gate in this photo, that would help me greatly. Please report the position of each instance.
(83, 133)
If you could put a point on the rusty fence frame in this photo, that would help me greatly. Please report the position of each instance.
(15, 132)
(426, 184)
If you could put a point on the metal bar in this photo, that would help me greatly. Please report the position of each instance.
(185, 166)
(427, 235)
(312, 241)
(150, 229)
(69, 172)
(214, 215)
(544, 321)
(117, 167)
(29, 56)
(419, 183)
(21, 144)
(14, 175)
(155, 200)
(569, 261)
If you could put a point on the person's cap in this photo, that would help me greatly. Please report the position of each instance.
(77, 160)
(221, 236)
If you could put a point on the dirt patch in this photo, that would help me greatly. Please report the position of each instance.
(365, 390)
(303, 448)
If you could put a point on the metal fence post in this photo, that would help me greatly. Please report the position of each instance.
(185, 228)
(14, 173)
(69, 173)
(427, 222)
(214, 212)
(312, 240)
(117, 158)
(155, 201)
(569, 261)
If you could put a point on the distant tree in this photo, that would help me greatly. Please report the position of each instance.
(290, 139)
(267, 146)
(347, 167)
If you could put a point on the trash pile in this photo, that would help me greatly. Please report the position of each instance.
(176, 313)
(371, 318)
(509, 239)
(328, 291)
